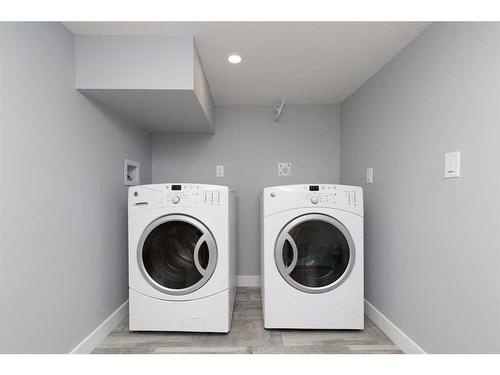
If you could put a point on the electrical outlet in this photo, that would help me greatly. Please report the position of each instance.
(219, 171)
(284, 169)
(369, 175)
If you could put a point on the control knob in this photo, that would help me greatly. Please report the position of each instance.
(176, 199)
(315, 200)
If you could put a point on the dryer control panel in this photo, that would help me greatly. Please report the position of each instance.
(344, 197)
(328, 194)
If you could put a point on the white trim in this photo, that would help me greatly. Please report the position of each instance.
(248, 280)
(401, 339)
(91, 341)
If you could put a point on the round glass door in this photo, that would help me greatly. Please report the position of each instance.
(314, 253)
(177, 254)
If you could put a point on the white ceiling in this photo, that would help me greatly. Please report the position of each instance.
(304, 62)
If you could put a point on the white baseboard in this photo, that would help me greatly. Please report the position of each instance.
(248, 280)
(401, 339)
(91, 341)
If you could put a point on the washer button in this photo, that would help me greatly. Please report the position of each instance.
(314, 200)
(176, 199)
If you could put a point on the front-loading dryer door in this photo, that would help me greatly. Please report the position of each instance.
(177, 254)
(314, 253)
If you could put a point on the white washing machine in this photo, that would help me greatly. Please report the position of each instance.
(182, 257)
(312, 257)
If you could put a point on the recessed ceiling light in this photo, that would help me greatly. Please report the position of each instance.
(234, 59)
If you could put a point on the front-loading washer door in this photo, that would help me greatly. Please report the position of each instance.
(177, 254)
(314, 253)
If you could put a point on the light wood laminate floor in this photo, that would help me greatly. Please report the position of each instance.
(248, 336)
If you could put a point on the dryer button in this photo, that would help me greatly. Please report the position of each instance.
(176, 199)
(314, 200)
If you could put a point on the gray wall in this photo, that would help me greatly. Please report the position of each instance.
(432, 245)
(63, 253)
(201, 87)
(155, 81)
(250, 145)
(134, 62)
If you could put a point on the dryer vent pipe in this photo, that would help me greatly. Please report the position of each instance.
(277, 110)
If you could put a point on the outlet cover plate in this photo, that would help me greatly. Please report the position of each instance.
(369, 175)
(219, 171)
(284, 169)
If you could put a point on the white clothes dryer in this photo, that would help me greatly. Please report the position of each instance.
(312, 257)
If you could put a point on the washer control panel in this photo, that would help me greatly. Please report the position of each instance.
(190, 195)
(177, 196)
(210, 198)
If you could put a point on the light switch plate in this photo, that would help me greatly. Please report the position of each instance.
(369, 175)
(452, 164)
(219, 171)
(284, 169)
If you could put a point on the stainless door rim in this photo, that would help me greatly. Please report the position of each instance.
(205, 237)
(285, 236)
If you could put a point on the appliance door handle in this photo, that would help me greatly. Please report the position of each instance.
(295, 254)
(196, 253)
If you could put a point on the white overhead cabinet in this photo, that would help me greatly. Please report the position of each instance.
(155, 81)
